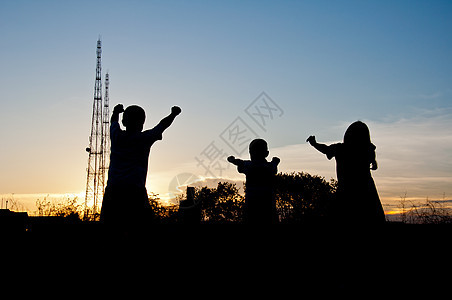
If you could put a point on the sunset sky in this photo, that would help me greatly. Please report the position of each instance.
(319, 66)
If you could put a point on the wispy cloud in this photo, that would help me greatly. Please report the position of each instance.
(430, 96)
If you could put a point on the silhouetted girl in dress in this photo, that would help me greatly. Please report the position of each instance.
(357, 197)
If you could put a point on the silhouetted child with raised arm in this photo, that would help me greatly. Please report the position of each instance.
(357, 197)
(125, 205)
(260, 207)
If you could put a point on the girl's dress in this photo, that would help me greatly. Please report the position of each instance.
(357, 198)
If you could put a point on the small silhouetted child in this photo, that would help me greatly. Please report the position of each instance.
(357, 197)
(260, 207)
(125, 204)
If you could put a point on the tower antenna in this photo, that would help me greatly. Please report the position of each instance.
(98, 150)
(106, 128)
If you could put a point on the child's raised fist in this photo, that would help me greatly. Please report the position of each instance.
(175, 110)
(311, 140)
(119, 108)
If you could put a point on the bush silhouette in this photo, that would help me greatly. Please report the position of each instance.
(69, 209)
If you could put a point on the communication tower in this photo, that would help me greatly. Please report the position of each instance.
(106, 126)
(98, 145)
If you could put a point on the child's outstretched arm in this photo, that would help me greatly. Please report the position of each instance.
(168, 120)
(320, 147)
(241, 167)
(234, 161)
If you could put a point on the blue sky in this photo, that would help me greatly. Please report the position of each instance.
(325, 63)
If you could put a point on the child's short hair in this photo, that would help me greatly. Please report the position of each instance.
(258, 147)
(135, 115)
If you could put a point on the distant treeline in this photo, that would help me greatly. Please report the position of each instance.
(300, 197)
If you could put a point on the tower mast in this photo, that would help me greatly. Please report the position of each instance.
(106, 129)
(95, 179)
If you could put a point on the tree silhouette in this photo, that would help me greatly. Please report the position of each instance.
(162, 213)
(222, 204)
(300, 197)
